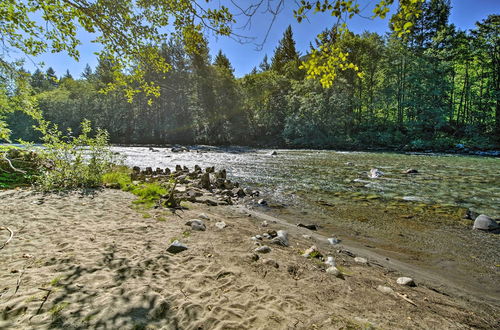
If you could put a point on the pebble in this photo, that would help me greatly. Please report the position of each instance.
(408, 281)
(263, 249)
(256, 238)
(330, 261)
(281, 238)
(220, 225)
(360, 260)
(307, 236)
(253, 256)
(384, 289)
(196, 225)
(333, 241)
(484, 222)
(334, 271)
(264, 224)
(262, 202)
(271, 262)
(176, 247)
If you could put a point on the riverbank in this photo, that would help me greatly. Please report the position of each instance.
(92, 260)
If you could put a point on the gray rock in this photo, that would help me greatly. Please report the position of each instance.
(264, 224)
(262, 202)
(333, 241)
(484, 222)
(271, 262)
(220, 225)
(411, 171)
(360, 260)
(253, 256)
(196, 225)
(247, 191)
(263, 249)
(334, 271)
(176, 247)
(385, 289)
(273, 153)
(281, 238)
(307, 236)
(408, 281)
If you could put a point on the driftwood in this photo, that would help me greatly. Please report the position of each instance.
(402, 296)
(12, 166)
(10, 238)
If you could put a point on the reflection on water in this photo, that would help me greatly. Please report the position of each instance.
(467, 181)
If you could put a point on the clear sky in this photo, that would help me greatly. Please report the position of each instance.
(245, 56)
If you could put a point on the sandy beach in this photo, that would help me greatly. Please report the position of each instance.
(91, 260)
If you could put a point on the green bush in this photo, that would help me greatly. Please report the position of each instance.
(73, 161)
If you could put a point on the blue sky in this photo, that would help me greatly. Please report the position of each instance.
(245, 56)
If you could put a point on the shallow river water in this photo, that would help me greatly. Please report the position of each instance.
(466, 181)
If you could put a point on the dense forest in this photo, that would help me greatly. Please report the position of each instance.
(435, 88)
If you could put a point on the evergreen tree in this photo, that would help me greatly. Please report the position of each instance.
(264, 65)
(51, 77)
(87, 72)
(221, 61)
(285, 52)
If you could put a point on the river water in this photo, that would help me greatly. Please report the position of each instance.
(466, 181)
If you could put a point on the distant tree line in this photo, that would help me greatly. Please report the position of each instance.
(434, 88)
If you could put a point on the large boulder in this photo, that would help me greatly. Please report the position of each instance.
(484, 222)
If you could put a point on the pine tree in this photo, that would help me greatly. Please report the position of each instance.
(87, 72)
(221, 61)
(285, 52)
(51, 77)
(264, 65)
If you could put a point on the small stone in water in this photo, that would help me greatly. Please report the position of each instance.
(484, 222)
(408, 281)
(262, 202)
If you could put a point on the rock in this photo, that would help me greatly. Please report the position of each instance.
(149, 170)
(256, 238)
(349, 164)
(197, 168)
(408, 281)
(153, 149)
(228, 184)
(271, 262)
(262, 202)
(385, 289)
(312, 252)
(220, 225)
(176, 247)
(272, 233)
(334, 271)
(185, 169)
(484, 222)
(333, 241)
(471, 215)
(281, 238)
(167, 171)
(309, 226)
(411, 171)
(159, 171)
(375, 173)
(255, 193)
(273, 153)
(178, 168)
(136, 169)
(205, 181)
(330, 261)
(203, 216)
(238, 192)
(196, 225)
(360, 260)
(264, 224)
(263, 249)
(210, 169)
(247, 191)
(307, 236)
